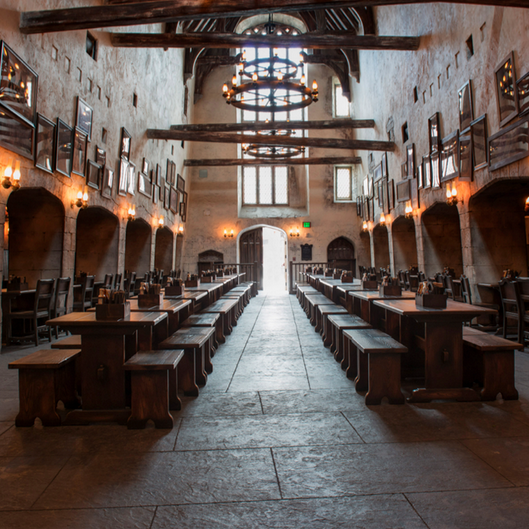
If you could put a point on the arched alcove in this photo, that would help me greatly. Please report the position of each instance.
(498, 230)
(209, 260)
(164, 250)
(138, 247)
(364, 250)
(96, 242)
(404, 243)
(36, 231)
(442, 239)
(341, 254)
(381, 246)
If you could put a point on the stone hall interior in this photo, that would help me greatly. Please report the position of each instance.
(265, 264)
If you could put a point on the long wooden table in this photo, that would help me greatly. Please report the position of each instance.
(363, 303)
(177, 310)
(330, 286)
(442, 344)
(105, 346)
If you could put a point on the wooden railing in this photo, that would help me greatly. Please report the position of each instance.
(295, 270)
(249, 269)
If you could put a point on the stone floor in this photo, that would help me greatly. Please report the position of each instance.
(277, 438)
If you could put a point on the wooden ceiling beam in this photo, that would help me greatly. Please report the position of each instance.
(158, 11)
(278, 125)
(328, 40)
(226, 162)
(228, 137)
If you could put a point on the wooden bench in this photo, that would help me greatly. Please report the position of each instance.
(70, 342)
(321, 317)
(302, 291)
(153, 391)
(313, 302)
(252, 285)
(378, 365)
(488, 360)
(245, 290)
(207, 320)
(44, 378)
(337, 324)
(240, 301)
(227, 308)
(192, 369)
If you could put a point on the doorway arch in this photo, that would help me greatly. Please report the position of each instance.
(138, 238)
(250, 246)
(163, 250)
(341, 254)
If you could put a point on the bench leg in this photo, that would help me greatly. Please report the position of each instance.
(350, 351)
(498, 375)
(209, 352)
(338, 353)
(362, 371)
(332, 330)
(186, 374)
(65, 382)
(201, 376)
(37, 397)
(384, 379)
(174, 402)
(327, 332)
(150, 400)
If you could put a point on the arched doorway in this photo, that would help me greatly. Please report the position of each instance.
(251, 252)
(341, 254)
(163, 252)
(138, 247)
(34, 232)
(97, 242)
(442, 240)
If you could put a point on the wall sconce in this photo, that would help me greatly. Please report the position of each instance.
(408, 210)
(180, 231)
(451, 195)
(12, 178)
(82, 199)
(293, 233)
(226, 234)
(382, 219)
(527, 204)
(364, 227)
(132, 212)
(161, 221)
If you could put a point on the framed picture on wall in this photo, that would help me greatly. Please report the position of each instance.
(465, 106)
(180, 184)
(158, 181)
(420, 175)
(173, 200)
(155, 194)
(131, 179)
(426, 172)
(358, 206)
(434, 132)
(506, 92)
(183, 207)
(79, 152)
(404, 171)
(64, 148)
(384, 163)
(378, 173)
(522, 86)
(436, 174)
(385, 198)
(410, 160)
(478, 130)
(108, 182)
(124, 150)
(93, 171)
(17, 135)
(509, 145)
(84, 117)
(171, 172)
(166, 197)
(403, 191)
(45, 144)
(465, 156)
(101, 156)
(450, 157)
(391, 194)
(18, 86)
(414, 194)
(123, 177)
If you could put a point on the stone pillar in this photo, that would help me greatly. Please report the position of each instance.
(419, 241)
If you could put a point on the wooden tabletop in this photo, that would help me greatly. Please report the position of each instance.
(168, 305)
(222, 305)
(88, 320)
(202, 319)
(205, 287)
(454, 310)
(185, 338)
(368, 295)
(154, 360)
(348, 287)
(15, 293)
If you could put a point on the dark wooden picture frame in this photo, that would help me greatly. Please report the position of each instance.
(404, 170)
(434, 132)
(125, 144)
(145, 166)
(173, 200)
(450, 157)
(385, 197)
(410, 160)
(180, 183)
(171, 172)
(359, 206)
(166, 197)
(79, 154)
(84, 117)
(403, 191)
(378, 173)
(155, 194)
(93, 172)
(18, 86)
(16, 134)
(183, 207)
(480, 151)
(465, 156)
(435, 164)
(108, 182)
(64, 148)
(158, 181)
(414, 194)
(509, 145)
(384, 163)
(466, 113)
(123, 177)
(420, 174)
(101, 156)
(506, 92)
(45, 138)
(131, 179)
(427, 172)
(144, 185)
(522, 88)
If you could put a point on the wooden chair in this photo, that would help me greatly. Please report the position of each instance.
(510, 303)
(108, 282)
(522, 284)
(130, 284)
(83, 297)
(41, 311)
(117, 281)
(60, 304)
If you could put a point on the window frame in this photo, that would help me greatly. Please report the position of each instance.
(258, 203)
(351, 184)
(335, 114)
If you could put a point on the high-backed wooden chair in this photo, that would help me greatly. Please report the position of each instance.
(510, 303)
(522, 284)
(83, 296)
(60, 304)
(117, 281)
(34, 320)
(109, 280)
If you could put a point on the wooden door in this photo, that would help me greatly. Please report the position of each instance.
(341, 254)
(251, 251)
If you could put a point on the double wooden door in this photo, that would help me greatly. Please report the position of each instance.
(251, 251)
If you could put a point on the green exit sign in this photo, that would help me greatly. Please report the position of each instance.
(306, 224)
